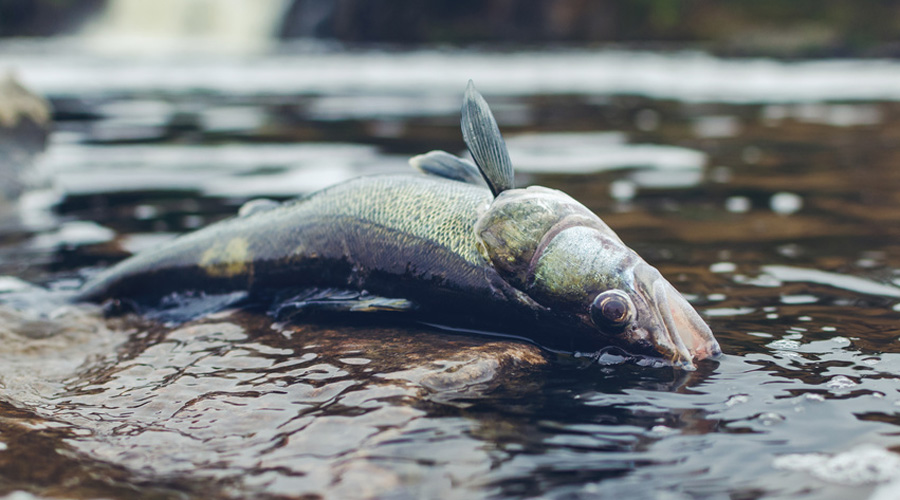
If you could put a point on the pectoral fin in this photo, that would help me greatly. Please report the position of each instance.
(336, 300)
(448, 166)
(482, 136)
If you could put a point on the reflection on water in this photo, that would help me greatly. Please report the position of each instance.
(302, 408)
(774, 213)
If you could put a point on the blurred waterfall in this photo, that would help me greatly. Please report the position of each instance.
(169, 26)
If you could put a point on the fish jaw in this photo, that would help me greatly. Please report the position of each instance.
(680, 335)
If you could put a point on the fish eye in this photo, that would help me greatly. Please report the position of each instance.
(612, 310)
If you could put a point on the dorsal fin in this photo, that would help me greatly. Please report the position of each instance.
(444, 164)
(484, 141)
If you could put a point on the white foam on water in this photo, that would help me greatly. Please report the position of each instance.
(71, 67)
(661, 177)
(799, 299)
(21, 495)
(232, 118)
(227, 170)
(785, 203)
(889, 491)
(289, 183)
(728, 311)
(145, 111)
(738, 204)
(13, 284)
(228, 157)
(346, 107)
(138, 242)
(834, 115)
(723, 267)
(622, 189)
(717, 126)
(865, 464)
(584, 153)
(292, 169)
(784, 345)
(844, 282)
(74, 233)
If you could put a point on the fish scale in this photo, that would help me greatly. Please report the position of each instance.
(434, 216)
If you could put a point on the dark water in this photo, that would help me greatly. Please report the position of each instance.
(777, 219)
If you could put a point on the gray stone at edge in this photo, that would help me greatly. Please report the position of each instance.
(25, 121)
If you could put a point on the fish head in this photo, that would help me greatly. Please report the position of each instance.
(571, 265)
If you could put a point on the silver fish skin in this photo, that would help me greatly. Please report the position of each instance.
(449, 245)
(530, 262)
(567, 260)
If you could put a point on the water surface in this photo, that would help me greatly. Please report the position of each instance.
(774, 212)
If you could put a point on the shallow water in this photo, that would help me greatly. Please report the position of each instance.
(775, 218)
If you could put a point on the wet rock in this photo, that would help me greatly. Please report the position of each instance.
(294, 409)
(25, 121)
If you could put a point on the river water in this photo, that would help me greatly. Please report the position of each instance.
(767, 192)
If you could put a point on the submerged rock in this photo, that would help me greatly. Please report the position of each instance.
(292, 409)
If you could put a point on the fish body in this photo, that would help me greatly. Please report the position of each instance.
(458, 244)
(391, 235)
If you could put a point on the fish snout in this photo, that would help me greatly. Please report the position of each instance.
(680, 335)
(685, 337)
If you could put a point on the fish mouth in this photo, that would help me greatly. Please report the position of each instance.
(682, 336)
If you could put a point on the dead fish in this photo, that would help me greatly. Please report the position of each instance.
(455, 244)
